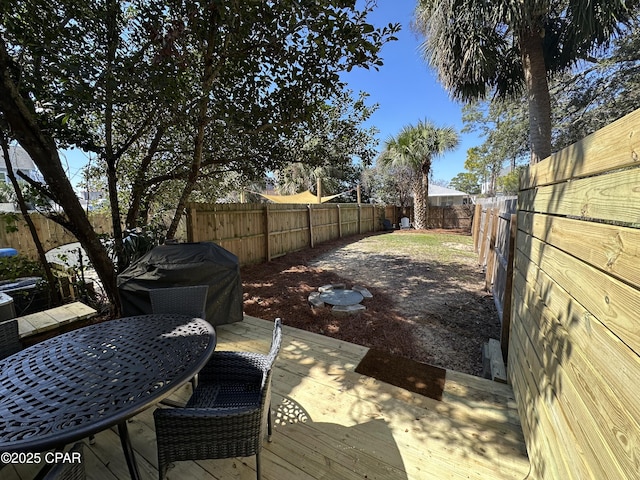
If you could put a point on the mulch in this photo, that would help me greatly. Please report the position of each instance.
(281, 288)
(403, 372)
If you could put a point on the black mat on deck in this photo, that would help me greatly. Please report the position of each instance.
(403, 372)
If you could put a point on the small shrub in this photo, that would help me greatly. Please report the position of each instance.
(19, 266)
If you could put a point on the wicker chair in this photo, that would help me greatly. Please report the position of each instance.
(68, 471)
(183, 300)
(191, 300)
(9, 338)
(228, 413)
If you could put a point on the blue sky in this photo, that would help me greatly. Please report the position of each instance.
(404, 87)
(407, 91)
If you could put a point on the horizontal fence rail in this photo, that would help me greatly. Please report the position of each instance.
(574, 350)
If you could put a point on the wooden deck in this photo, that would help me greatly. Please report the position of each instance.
(332, 423)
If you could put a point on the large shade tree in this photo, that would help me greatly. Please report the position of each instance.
(417, 146)
(180, 86)
(478, 47)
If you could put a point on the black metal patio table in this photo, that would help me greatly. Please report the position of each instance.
(79, 383)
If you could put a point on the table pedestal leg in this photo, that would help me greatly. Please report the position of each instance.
(127, 448)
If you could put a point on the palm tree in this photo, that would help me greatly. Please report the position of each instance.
(509, 45)
(416, 147)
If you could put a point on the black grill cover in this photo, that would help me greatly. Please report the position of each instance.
(185, 264)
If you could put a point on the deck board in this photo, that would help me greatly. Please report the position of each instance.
(331, 422)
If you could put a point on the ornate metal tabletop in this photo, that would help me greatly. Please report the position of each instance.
(79, 383)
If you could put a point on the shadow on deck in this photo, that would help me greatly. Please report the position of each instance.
(332, 423)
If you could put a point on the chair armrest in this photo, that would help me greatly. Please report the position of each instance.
(233, 366)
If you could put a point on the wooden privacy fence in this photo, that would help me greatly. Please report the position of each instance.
(574, 350)
(258, 232)
(14, 232)
(453, 216)
(494, 233)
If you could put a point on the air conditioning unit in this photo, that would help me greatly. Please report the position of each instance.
(7, 309)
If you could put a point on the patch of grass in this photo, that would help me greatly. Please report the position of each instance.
(447, 248)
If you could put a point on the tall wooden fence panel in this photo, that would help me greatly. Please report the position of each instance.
(394, 213)
(286, 228)
(260, 232)
(349, 220)
(454, 216)
(494, 241)
(14, 232)
(574, 353)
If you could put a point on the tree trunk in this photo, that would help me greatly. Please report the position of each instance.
(195, 168)
(421, 202)
(208, 76)
(43, 151)
(138, 188)
(110, 157)
(53, 288)
(535, 74)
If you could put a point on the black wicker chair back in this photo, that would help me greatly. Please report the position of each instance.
(9, 338)
(190, 300)
(228, 414)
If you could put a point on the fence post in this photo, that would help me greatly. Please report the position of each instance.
(477, 218)
(339, 222)
(310, 226)
(484, 233)
(267, 231)
(491, 248)
(191, 222)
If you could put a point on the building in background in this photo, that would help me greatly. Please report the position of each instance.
(20, 160)
(446, 197)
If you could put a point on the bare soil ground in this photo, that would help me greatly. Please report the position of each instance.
(430, 309)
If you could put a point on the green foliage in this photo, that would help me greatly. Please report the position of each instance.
(19, 266)
(10, 222)
(137, 242)
(509, 184)
(481, 48)
(175, 97)
(467, 182)
(415, 147)
(389, 184)
(585, 100)
(601, 91)
(476, 46)
(7, 194)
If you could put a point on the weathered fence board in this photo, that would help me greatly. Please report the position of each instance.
(447, 217)
(454, 216)
(574, 353)
(494, 241)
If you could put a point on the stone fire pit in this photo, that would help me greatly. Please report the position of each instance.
(344, 301)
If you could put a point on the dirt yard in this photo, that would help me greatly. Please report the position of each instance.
(428, 300)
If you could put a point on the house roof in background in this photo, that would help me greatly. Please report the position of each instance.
(438, 191)
(20, 159)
